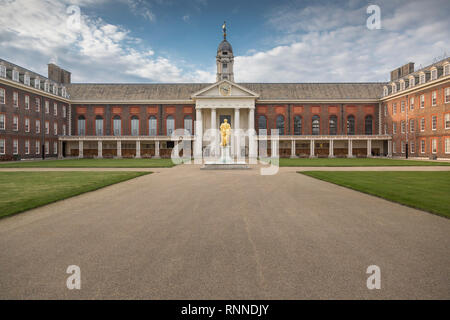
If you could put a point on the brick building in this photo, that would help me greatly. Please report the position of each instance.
(412, 113)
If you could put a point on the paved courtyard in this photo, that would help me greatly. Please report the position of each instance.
(182, 233)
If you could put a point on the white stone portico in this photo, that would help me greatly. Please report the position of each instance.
(213, 103)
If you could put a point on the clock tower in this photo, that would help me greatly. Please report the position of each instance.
(225, 58)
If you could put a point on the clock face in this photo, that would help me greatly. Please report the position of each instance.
(225, 89)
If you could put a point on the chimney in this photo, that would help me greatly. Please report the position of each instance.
(57, 74)
(402, 71)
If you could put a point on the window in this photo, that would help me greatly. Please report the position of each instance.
(55, 129)
(422, 101)
(262, 125)
(422, 78)
(55, 147)
(26, 79)
(433, 122)
(402, 124)
(447, 145)
(411, 103)
(117, 126)
(15, 123)
(447, 121)
(64, 130)
(27, 102)
(350, 125)
(394, 147)
(38, 126)
(27, 146)
(402, 85)
(47, 107)
(15, 146)
(37, 147)
(15, 99)
(394, 88)
(2, 96)
(64, 111)
(394, 108)
(224, 67)
(412, 125)
(385, 110)
(433, 98)
(47, 127)
(368, 125)
(385, 91)
(46, 86)
(385, 128)
(46, 147)
(447, 70)
(280, 124)
(37, 83)
(412, 147)
(447, 95)
(2, 146)
(402, 106)
(15, 75)
(38, 104)
(434, 74)
(2, 122)
(170, 125)
(134, 126)
(188, 124)
(433, 145)
(403, 146)
(98, 126)
(422, 146)
(297, 125)
(412, 82)
(55, 109)
(422, 124)
(81, 126)
(394, 127)
(316, 125)
(2, 71)
(27, 125)
(152, 126)
(55, 89)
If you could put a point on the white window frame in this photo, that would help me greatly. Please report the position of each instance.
(2, 71)
(55, 109)
(402, 106)
(394, 127)
(47, 106)
(412, 147)
(38, 126)
(64, 111)
(2, 96)
(394, 147)
(434, 146)
(2, 146)
(394, 88)
(422, 146)
(422, 124)
(447, 145)
(27, 102)
(55, 90)
(3, 121)
(385, 91)
(422, 101)
(27, 146)
(38, 104)
(434, 74)
(433, 123)
(412, 82)
(15, 123)
(27, 124)
(55, 147)
(15, 146)
(15, 99)
(26, 79)
(447, 69)
(37, 147)
(422, 78)
(403, 126)
(433, 98)
(55, 128)
(402, 85)
(447, 95)
(403, 146)
(47, 127)
(47, 147)
(15, 75)
(64, 129)
(37, 83)
(394, 108)
(411, 103)
(412, 125)
(447, 121)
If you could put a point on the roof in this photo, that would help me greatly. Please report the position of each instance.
(267, 91)
(225, 46)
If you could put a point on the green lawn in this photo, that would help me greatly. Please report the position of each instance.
(21, 191)
(91, 163)
(355, 162)
(428, 191)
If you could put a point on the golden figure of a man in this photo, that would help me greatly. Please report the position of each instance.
(225, 130)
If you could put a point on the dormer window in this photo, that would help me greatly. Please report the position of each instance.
(15, 75)
(447, 69)
(26, 79)
(434, 74)
(46, 86)
(385, 91)
(37, 83)
(55, 89)
(2, 71)
(402, 85)
(63, 92)
(422, 78)
(394, 88)
(412, 81)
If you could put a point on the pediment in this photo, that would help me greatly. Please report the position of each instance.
(215, 91)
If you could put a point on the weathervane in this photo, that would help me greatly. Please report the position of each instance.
(224, 29)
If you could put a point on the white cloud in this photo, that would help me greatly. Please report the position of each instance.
(34, 33)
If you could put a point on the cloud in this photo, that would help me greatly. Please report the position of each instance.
(34, 33)
(186, 18)
(330, 43)
(141, 8)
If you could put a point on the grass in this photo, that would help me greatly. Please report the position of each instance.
(22, 191)
(91, 163)
(356, 162)
(428, 191)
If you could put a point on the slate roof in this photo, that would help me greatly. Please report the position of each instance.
(267, 91)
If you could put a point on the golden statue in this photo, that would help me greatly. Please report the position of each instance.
(225, 130)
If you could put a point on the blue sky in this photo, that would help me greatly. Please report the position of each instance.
(176, 41)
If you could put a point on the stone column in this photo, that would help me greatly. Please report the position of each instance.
(293, 149)
(369, 148)
(100, 149)
(213, 130)
(60, 151)
(80, 149)
(311, 149)
(198, 137)
(119, 149)
(252, 136)
(350, 148)
(331, 152)
(138, 149)
(156, 150)
(389, 148)
(237, 135)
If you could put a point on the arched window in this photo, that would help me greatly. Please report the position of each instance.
(134, 126)
(170, 125)
(98, 125)
(188, 124)
(81, 125)
(333, 125)
(316, 125)
(297, 125)
(117, 126)
(152, 126)
(262, 125)
(350, 125)
(280, 124)
(368, 125)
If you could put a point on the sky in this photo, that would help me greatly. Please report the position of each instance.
(137, 41)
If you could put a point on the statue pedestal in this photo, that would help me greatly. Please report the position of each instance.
(225, 157)
(225, 162)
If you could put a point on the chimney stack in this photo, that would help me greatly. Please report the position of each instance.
(57, 74)
(402, 71)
